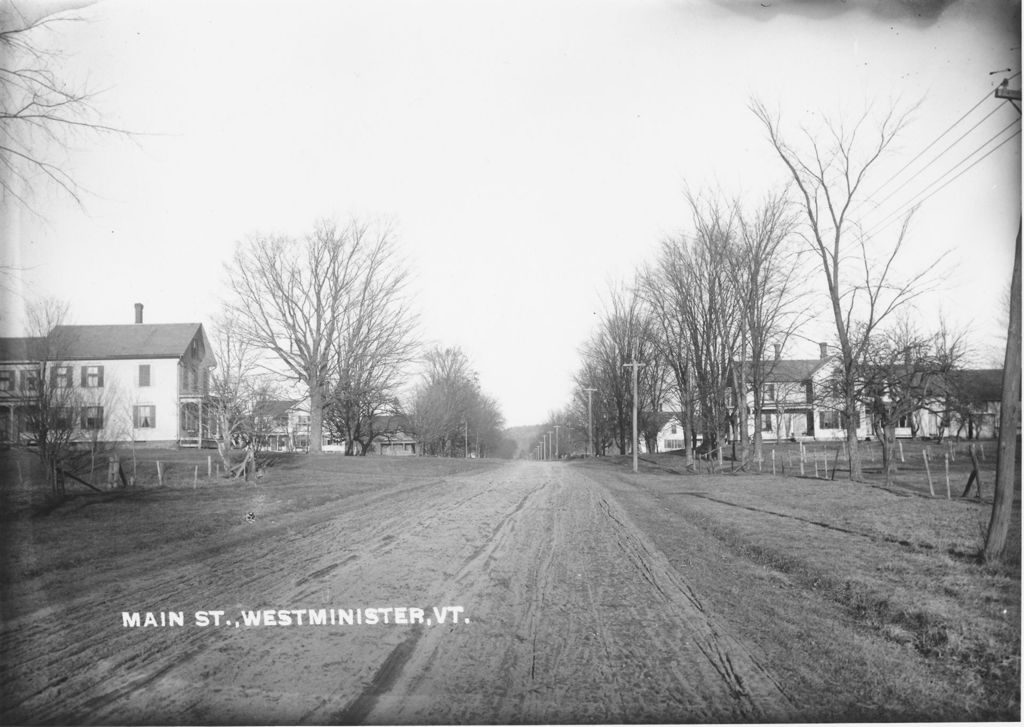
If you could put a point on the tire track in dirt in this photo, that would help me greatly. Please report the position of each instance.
(385, 529)
(67, 668)
(576, 617)
(573, 616)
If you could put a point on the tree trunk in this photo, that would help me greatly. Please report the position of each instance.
(316, 418)
(856, 472)
(1002, 505)
(889, 451)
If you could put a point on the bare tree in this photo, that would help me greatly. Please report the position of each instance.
(664, 286)
(765, 270)
(39, 111)
(55, 399)
(294, 298)
(441, 403)
(373, 348)
(238, 389)
(626, 334)
(858, 270)
(712, 312)
(903, 373)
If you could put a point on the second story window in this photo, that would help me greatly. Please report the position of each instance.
(92, 377)
(61, 377)
(29, 381)
(6, 380)
(769, 392)
(144, 375)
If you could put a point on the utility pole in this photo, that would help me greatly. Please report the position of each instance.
(635, 366)
(467, 439)
(590, 420)
(556, 441)
(1009, 409)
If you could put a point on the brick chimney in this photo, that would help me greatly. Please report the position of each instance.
(824, 350)
(138, 312)
(778, 351)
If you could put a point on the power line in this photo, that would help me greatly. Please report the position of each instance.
(903, 207)
(938, 156)
(937, 139)
(933, 143)
(881, 227)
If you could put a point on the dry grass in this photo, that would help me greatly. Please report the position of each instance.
(902, 570)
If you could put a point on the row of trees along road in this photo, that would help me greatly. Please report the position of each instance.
(708, 315)
(448, 411)
(702, 306)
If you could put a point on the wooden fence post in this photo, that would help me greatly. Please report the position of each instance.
(159, 474)
(975, 473)
(113, 465)
(209, 463)
(900, 444)
(948, 495)
(928, 470)
(195, 477)
(773, 462)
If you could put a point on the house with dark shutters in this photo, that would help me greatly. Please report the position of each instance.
(141, 382)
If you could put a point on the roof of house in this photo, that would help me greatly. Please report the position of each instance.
(20, 349)
(791, 369)
(981, 384)
(273, 408)
(133, 340)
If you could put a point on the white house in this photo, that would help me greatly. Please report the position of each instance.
(136, 382)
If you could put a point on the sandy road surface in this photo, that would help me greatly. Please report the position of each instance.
(570, 615)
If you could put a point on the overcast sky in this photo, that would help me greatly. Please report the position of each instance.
(529, 154)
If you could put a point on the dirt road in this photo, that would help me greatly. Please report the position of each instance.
(569, 614)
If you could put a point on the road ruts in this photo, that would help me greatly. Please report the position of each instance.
(575, 617)
(572, 615)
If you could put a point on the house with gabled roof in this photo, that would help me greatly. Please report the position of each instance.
(134, 382)
(794, 402)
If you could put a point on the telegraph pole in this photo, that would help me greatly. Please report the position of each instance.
(590, 420)
(1002, 500)
(635, 366)
(556, 441)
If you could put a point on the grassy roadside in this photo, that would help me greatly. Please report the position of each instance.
(870, 605)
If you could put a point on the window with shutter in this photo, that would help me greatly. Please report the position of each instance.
(92, 377)
(60, 377)
(144, 375)
(29, 381)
